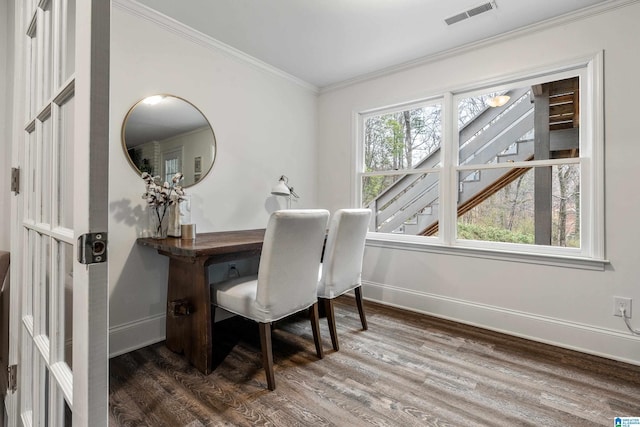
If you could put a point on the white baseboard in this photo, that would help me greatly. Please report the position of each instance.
(135, 335)
(575, 336)
(143, 332)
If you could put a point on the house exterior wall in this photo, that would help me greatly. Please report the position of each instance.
(564, 306)
(265, 126)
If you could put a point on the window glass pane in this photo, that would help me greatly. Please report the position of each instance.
(45, 172)
(65, 281)
(404, 204)
(535, 122)
(534, 206)
(65, 164)
(403, 140)
(171, 167)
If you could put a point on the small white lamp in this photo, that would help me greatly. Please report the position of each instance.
(282, 189)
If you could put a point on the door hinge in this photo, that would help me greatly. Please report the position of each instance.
(12, 376)
(92, 248)
(15, 180)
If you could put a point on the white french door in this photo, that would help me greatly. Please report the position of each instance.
(59, 217)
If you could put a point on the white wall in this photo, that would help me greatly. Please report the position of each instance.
(566, 306)
(265, 126)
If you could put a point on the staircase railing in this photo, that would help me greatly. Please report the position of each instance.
(410, 204)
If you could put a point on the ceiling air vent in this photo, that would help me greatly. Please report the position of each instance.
(471, 12)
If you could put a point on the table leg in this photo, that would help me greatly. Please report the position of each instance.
(189, 311)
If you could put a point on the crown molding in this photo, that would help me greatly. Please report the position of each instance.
(137, 9)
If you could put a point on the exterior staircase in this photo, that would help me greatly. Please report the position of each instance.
(496, 135)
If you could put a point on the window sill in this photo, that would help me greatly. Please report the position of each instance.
(392, 242)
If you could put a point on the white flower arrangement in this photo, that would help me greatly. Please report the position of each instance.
(159, 197)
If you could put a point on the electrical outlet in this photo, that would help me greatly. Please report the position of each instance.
(233, 271)
(622, 302)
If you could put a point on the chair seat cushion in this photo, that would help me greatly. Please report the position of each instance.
(238, 296)
(329, 290)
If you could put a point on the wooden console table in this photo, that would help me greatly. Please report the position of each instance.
(188, 290)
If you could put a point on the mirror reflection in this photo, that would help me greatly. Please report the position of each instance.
(164, 134)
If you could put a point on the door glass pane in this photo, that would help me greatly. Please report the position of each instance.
(32, 47)
(70, 40)
(29, 271)
(65, 165)
(65, 267)
(47, 53)
(46, 280)
(30, 178)
(61, 413)
(26, 375)
(68, 418)
(45, 172)
(41, 390)
(45, 394)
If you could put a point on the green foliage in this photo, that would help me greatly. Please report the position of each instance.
(373, 185)
(492, 234)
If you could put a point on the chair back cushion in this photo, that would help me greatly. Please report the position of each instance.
(291, 252)
(342, 263)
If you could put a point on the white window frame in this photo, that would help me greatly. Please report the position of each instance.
(590, 255)
(171, 154)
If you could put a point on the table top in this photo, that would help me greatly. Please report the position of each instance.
(208, 244)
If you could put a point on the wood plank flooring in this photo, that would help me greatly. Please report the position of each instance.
(406, 370)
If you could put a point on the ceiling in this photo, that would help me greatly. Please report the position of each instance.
(324, 42)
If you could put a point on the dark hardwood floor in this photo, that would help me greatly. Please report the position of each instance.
(406, 370)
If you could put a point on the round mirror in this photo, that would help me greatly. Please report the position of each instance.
(164, 134)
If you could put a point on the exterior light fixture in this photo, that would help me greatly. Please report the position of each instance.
(498, 101)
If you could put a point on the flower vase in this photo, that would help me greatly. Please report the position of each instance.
(174, 220)
(158, 221)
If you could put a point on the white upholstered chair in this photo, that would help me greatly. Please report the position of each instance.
(341, 267)
(286, 281)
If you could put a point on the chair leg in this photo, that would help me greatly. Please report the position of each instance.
(267, 354)
(315, 327)
(363, 319)
(331, 321)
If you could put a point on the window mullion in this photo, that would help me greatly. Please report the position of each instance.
(448, 192)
